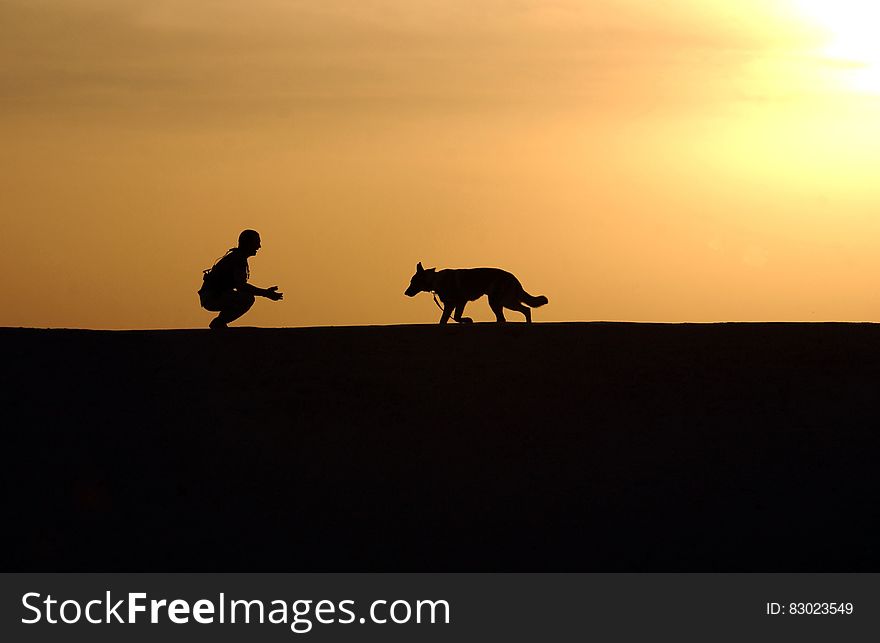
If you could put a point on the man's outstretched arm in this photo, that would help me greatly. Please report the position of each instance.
(269, 293)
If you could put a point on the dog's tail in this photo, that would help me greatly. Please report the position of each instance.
(533, 302)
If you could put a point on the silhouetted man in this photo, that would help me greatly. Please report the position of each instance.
(226, 289)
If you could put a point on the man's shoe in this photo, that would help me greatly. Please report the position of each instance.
(216, 324)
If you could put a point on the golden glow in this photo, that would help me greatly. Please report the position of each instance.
(631, 159)
(851, 32)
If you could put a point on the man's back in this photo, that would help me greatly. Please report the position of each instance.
(230, 272)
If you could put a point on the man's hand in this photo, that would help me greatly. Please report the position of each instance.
(273, 294)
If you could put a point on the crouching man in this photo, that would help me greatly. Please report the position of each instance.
(226, 289)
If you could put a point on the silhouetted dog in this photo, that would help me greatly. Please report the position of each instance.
(457, 287)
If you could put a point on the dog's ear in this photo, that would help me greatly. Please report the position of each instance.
(419, 267)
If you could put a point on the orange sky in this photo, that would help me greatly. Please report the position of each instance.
(691, 160)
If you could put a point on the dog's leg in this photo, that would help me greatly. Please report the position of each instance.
(447, 311)
(524, 310)
(497, 308)
(459, 309)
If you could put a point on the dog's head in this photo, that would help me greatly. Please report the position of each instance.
(421, 281)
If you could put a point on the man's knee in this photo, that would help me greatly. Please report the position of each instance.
(236, 305)
(241, 304)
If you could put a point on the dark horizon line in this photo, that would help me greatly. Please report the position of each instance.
(596, 322)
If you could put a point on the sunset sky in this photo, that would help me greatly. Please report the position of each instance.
(688, 160)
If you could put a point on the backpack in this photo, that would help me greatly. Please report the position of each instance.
(218, 277)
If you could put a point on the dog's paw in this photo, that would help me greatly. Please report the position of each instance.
(466, 320)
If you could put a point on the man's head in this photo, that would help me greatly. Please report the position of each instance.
(249, 242)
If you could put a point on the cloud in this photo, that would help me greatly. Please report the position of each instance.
(269, 55)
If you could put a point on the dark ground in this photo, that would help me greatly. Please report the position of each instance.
(555, 447)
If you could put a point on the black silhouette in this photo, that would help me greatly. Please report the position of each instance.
(457, 287)
(225, 289)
